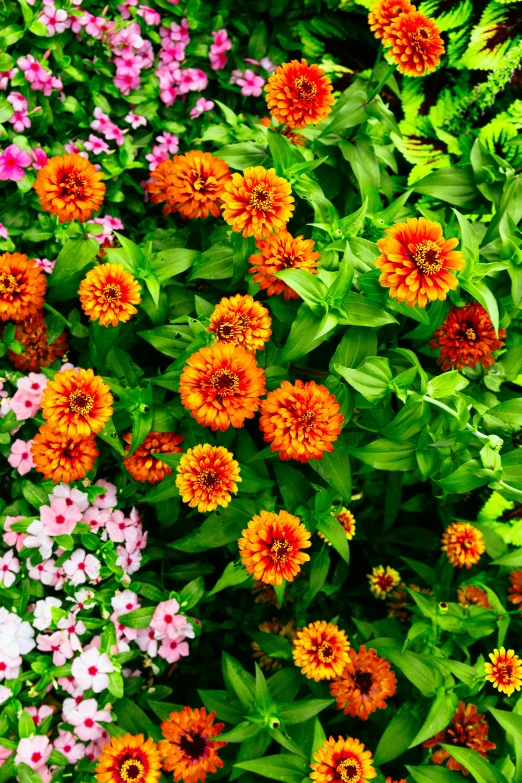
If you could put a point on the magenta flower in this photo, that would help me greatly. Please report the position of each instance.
(13, 161)
(173, 649)
(67, 744)
(135, 120)
(56, 20)
(21, 457)
(149, 15)
(170, 141)
(40, 158)
(10, 537)
(96, 145)
(86, 718)
(250, 83)
(45, 264)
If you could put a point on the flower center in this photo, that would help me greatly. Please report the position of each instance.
(8, 284)
(471, 335)
(385, 583)
(73, 185)
(279, 551)
(80, 402)
(505, 671)
(420, 36)
(199, 183)
(112, 292)
(208, 479)
(228, 330)
(349, 771)
(364, 681)
(306, 90)
(325, 652)
(307, 420)
(261, 198)
(132, 770)
(224, 382)
(193, 746)
(427, 257)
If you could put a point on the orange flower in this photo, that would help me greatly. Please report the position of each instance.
(463, 543)
(321, 651)
(221, 386)
(383, 12)
(365, 684)
(279, 252)
(417, 262)
(129, 759)
(470, 595)
(298, 94)
(515, 591)
(22, 287)
(257, 202)
(389, 779)
(60, 457)
(241, 321)
(466, 730)
(347, 520)
(32, 334)
(190, 748)
(142, 465)
(383, 581)
(342, 761)
(77, 403)
(69, 186)
(206, 477)
(504, 671)
(416, 43)
(466, 337)
(271, 547)
(191, 184)
(275, 627)
(108, 294)
(300, 421)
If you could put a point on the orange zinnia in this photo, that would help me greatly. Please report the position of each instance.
(279, 252)
(365, 684)
(69, 186)
(342, 761)
(466, 337)
(383, 12)
(474, 596)
(466, 730)
(504, 671)
(416, 43)
(190, 745)
(301, 421)
(463, 544)
(32, 334)
(22, 287)
(221, 386)
(515, 591)
(129, 759)
(108, 294)
(241, 321)
(60, 457)
(298, 94)
(142, 465)
(389, 779)
(206, 477)
(347, 520)
(77, 403)
(383, 581)
(158, 185)
(271, 547)
(321, 651)
(417, 262)
(257, 202)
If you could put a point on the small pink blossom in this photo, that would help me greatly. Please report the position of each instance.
(149, 15)
(250, 83)
(96, 145)
(201, 106)
(71, 496)
(129, 561)
(170, 141)
(6, 76)
(191, 79)
(45, 264)
(217, 51)
(25, 405)
(4, 234)
(96, 519)
(9, 666)
(46, 573)
(9, 567)
(36, 538)
(56, 20)
(58, 644)
(38, 714)
(126, 83)
(81, 566)
(113, 132)
(73, 628)
(135, 120)
(173, 649)
(147, 641)
(33, 751)
(91, 669)
(21, 457)
(166, 620)
(86, 718)
(13, 161)
(158, 155)
(11, 538)
(18, 102)
(101, 120)
(34, 383)
(39, 159)
(67, 744)
(59, 518)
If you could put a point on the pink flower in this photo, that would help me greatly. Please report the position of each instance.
(21, 457)
(46, 573)
(4, 234)
(201, 106)
(123, 8)
(191, 79)
(118, 526)
(20, 121)
(96, 519)
(147, 641)
(45, 264)
(66, 744)
(81, 566)
(113, 132)
(38, 714)
(9, 666)
(218, 60)
(56, 20)
(13, 161)
(25, 405)
(170, 141)
(18, 102)
(16, 636)
(165, 619)
(73, 629)
(173, 649)
(58, 644)
(124, 602)
(149, 15)
(9, 567)
(43, 616)
(10, 537)
(72, 148)
(158, 155)
(33, 751)
(6, 76)
(34, 383)
(96, 145)
(86, 718)
(126, 83)
(101, 121)
(59, 518)
(130, 561)
(91, 669)
(265, 63)
(250, 84)
(33, 70)
(71, 496)
(168, 95)
(40, 159)
(135, 120)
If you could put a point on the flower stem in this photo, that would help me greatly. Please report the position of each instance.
(381, 84)
(58, 315)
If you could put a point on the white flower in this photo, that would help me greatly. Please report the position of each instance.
(43, 618)
(80, 566)
(91, 670)
(37, 539)
(85, 719)
(16, 637)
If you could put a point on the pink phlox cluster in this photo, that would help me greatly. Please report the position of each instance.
(55, 19)
(6, 76)
(104, 125)
(38, 77)
(217, 52)
(202, 105)
(21, 457)
(109, 225)
(251, 84)
(20, 117)
(27, 399)
(45, 264)
(13, 162)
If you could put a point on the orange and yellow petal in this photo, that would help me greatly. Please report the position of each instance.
(191, 744)
(383, 580)
(515, 591)
(142, 465)
(257, 202)
(383, 12)
(463, 543)
(32, 334)
(60, 457)
(365, 684)
(416, 45)
(22, 287)
(473, 596)
(129, 759)
(342, 760)
(504, 671)
(70, 187)
(466, 337)
(108, 294)
(321, 651)
(271, 547)
(240, 320)
(298, 94)
(77, 403)
(279, 252)
(207, 476)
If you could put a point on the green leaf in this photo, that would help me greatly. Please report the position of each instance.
(360, 311)
(26, 725)
(371, 380)
(219, 528)
(357, 344)
(485, 296)
(73, 257)
(446, 384)
(24, 772)
(299, 711)
(243, 731)
(284, 767)
(464, 479)
(454, 185)
(116, 684)
(234, 574)
(397, 736)
(238, 680)
(225, 707)
(138, 618)
(169, 263)
(419, 669)
(334, 467)
(243, 155)
(312, 290)
(273, 645)
(335, 533)
(351, 113)
(281, 152)
(216, 263)
(386, 454)
(192, 594)
(434, 775)
(307, 333)
(511, 560)
(439, 716)
(482, 770)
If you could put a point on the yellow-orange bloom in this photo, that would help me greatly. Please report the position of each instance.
(257, 202)
(142, 465)
(279, 252)
(206, 477)
(473, 596)
(504, 671)
(77, 403)
(515, 591)
(416, 45)
(383, 581)
(190, 746)
(347, 520)
(466, 337)
(389, 779)
(221, 386)
(22, 287)
(271, 547)
(417, 263)
(300, 421)
(129, 759)
(158, 185)
(463, 543)
(383, 12)
(298, 94)
(240, 320)
(342, 761)
(32, 334)
(108, 294)
(69, 186)
(366, 683)
(321, 651)
(60, 457)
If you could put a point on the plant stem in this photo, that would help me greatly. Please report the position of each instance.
(306, 371)
(381, 84)
(58, 315)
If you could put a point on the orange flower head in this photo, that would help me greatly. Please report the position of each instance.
(515, 591)
(32, 334)
(298, 94)
(466, 337)
(416, 45)
(129, 759)
(321, 651)
(108, 294)
(265, 661)
(221, 385)
(463, 543)
(300, 422)
(383, 580)
(347, 520)
(417, 263)
(504, 671)
(206, 477)
(473, 596)
(69, 186)
(60, 457)
(77, 403)
(282, 251)
(240, 320)
(342, 761)
(466, 730)
(142, 465)
(365, 684)
(22, 287)
(190, 746)
(158, 185)
(271, 547)
(384, 12)
(257, 202)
